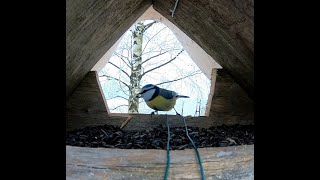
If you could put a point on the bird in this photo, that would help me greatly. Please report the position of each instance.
(159, 99)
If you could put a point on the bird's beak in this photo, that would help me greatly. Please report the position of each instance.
(138, 95)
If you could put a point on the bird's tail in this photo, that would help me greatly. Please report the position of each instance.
(181, 96)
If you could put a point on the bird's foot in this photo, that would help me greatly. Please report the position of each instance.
(153, 113)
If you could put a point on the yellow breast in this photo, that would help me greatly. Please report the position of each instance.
(162, 104)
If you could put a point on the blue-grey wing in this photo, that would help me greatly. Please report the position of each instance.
(167, 94)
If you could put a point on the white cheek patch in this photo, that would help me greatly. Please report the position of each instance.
(148, 95)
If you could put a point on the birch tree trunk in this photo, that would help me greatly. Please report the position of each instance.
(133, 60)
(135, 76)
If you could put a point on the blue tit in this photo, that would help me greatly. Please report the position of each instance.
(159, 99)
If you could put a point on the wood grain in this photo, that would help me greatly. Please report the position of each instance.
(86, 106)
(230, 102)
(233, 162)
(92, 27)
(145, 122)
(223, 28)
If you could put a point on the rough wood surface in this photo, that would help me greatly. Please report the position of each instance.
(230, 102)
(144, 121)
(92, 27)
(86, 106)
(233, 162)
(223, 28)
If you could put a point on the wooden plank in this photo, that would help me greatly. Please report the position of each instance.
(230, 103)
(92, 27)
(87, 105)
(145, 122)
(223, 29)
(233, 162)
(212, 91)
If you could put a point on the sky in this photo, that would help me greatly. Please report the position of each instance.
(158, 38)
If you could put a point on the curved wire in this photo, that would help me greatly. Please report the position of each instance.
(168, 152)
(195, 148)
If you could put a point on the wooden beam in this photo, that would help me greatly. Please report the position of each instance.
(145, 121)
(233, 162)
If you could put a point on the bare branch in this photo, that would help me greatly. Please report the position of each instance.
(162, 64)
(194, 73)
(115, 79)
(129, 56)
(158, 55)
(150, 52)
(117, 97)
(119, 68)
(161, 49)
(122, 87)
(119, 106)
(152, 38)
(117, 54)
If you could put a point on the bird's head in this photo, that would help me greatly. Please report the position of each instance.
(147, 92)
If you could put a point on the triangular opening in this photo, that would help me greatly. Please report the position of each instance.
(197, 87)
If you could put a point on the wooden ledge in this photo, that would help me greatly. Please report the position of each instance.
(146, 122)
(233, 162)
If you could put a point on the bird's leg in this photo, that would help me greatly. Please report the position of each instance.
(176, 112)
(154, 113)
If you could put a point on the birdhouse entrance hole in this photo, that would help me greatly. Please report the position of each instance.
(163, 56)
